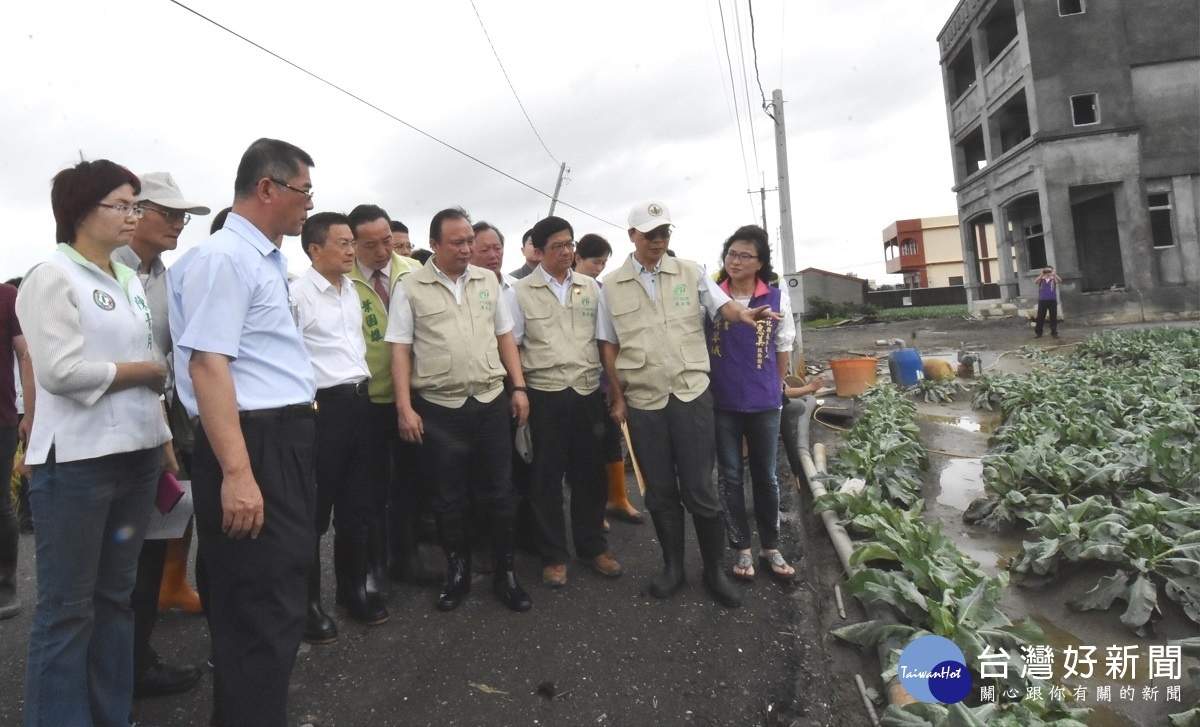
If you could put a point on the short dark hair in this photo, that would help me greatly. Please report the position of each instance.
(398, 226)
(592, 245)
(421, 254)
(482, 225)
(365, 213)
(546, 228)
(270, 158)
(219, 221)
(525, 238)
(316, 229)
(756, 236)
(450, 213)
(75, 191)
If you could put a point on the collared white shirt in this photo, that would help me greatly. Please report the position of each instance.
(711, 297)
(400, 315)
(331, 322)
(367, 272)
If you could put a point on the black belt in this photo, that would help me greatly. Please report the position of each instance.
(358, 388)
(291, 411)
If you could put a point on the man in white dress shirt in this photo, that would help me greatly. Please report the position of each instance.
(330, 314)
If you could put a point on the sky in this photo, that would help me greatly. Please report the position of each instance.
(640, 100)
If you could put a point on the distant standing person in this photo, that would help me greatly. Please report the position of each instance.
(401, 244)
(1047, 285)
(532, 257)
(242, 368)
(653, 348)
(12, 343)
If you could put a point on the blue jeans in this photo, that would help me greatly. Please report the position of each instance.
(90, 519)
(761, 430)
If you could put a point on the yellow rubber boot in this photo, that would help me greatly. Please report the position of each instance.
(618, 504)
(175, 591)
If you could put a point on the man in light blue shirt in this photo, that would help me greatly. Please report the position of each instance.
(243, 370)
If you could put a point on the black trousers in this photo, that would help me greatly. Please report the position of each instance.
(346, 475)
(567, 429)
(144, 601)
(466, 456)
(396, 482)
(1044, 307)
(675, 450)
(257, 589)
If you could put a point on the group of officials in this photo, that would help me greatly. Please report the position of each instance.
(371, 384)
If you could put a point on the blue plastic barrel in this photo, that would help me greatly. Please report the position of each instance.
(905, 366)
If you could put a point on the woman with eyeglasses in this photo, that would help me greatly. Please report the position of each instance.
(96, 448)
(747, 370)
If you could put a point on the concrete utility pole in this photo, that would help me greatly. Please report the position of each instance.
(562, 171)
(785, 191)
(762, 193)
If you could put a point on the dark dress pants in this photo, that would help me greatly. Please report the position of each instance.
(674, 447)
(567, 429)
(1047, 307)
(344, 469)
(466, 456)
(257, 589)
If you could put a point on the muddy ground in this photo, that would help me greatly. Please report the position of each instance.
(602, 652)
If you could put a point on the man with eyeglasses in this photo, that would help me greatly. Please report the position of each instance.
(394, 549)
(401, 244)
(653, 347)
(554, 323)
(331, 321)
(244, 373)
(164, 214)
(451, 334)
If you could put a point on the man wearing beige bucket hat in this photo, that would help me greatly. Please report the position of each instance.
(162, 564)
(653, 347)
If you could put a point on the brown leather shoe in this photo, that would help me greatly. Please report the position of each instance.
(554, 576)
(606, 565)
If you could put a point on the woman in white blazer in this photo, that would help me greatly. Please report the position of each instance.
(96, 449)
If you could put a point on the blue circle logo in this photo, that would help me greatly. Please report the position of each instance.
(934, 670)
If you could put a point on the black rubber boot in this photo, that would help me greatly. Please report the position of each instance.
(500, 517)
(378, 586)
(350, 565)
(319, 628)
(10, 605)
(404, 561)
(711, 534)
(458, 561)
(668, 524)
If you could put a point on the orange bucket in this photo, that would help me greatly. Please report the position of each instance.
(853, 376)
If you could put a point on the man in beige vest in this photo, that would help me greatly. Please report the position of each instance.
(651, 328)
(452, 345)
(554, 323)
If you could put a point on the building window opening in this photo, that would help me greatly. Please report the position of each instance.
(1035, 245)
(908, 247)
(1161, 230)
(1000, 28)
(1012, 122)
(962, 72)
(956, 280)
(972, 154)
(1071, 7)
(1085, 109)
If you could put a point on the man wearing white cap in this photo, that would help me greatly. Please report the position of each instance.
(158, 230)
(653, 347)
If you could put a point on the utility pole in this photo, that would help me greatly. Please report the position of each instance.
(785, 191)
(762, 193)
(562, 170)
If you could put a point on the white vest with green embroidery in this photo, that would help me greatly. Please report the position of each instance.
(662, 347)
(559, 346)
(455, 355)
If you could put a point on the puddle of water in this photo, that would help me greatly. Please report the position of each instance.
(990, 550)
(961, 483)
(984, 423)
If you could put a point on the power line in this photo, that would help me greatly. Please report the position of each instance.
(510, 83)
(746, 87)
(733, 90)
(757, 77)
(388, 114)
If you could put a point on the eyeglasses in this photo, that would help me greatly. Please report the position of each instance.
(170, 215)
(306, 192)
(124, 210)
(560, 246)
(657, 235)
(346, 244)
(741, 257)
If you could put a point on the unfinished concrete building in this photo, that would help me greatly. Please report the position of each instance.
(1075, 129)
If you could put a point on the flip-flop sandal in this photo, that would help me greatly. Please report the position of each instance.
(774, 561)
(746, 564)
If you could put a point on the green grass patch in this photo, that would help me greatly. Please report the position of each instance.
(911, 313)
